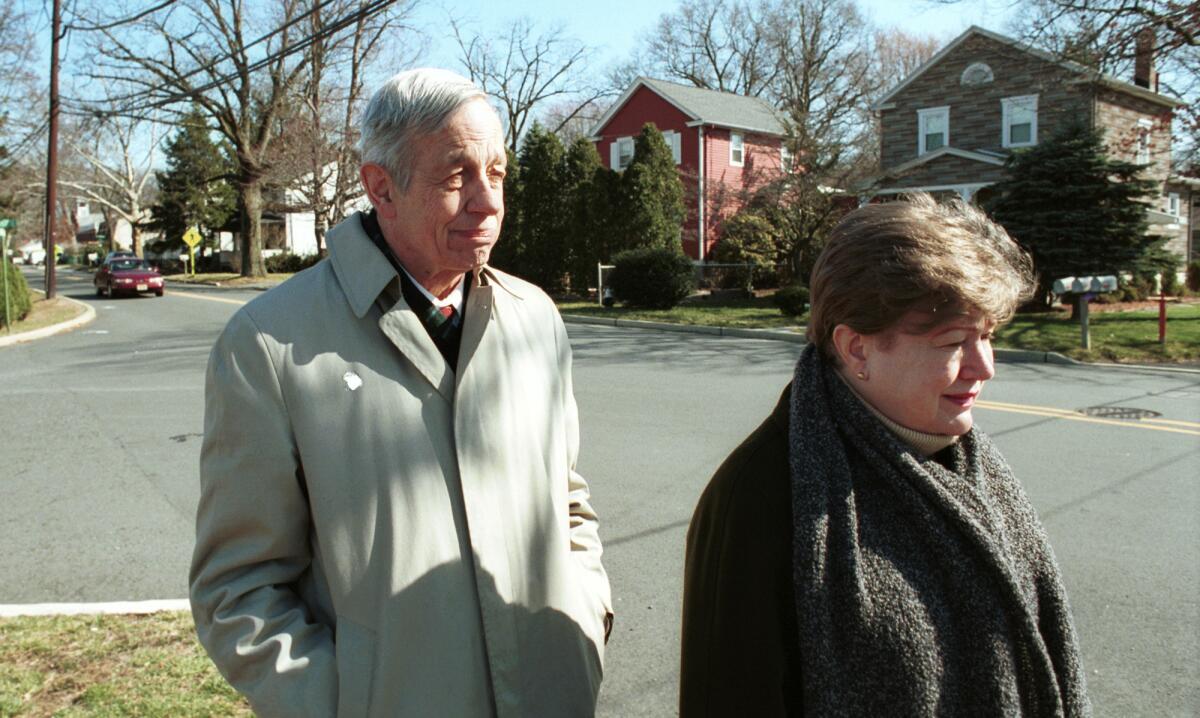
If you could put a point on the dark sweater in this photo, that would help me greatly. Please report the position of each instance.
(740, 650)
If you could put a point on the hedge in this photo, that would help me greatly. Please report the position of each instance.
(652, 278)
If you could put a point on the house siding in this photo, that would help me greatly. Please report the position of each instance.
(646, 106)
(1118, 114)
(976, 115)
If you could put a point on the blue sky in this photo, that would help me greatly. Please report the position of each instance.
(615, 26)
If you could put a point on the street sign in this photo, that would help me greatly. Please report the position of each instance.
(192, 238)
(8, 223)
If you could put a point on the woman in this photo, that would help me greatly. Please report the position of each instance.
(865, 551)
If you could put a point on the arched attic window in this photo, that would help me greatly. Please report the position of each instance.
(977, 73)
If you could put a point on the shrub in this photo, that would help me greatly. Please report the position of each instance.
(652, 277)
(749, 239)
(792, 300)
(18, 295)
(292, 263)
(1170, 282)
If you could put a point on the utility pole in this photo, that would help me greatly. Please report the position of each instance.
(52, 155)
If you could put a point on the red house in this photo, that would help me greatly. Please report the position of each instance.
(723, 143)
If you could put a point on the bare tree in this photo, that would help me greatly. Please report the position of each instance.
(715, 44)
(525, 72)
(117, 174)
(318, 154)
(206, 52)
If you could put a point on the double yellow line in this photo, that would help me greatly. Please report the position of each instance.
(1190, 428)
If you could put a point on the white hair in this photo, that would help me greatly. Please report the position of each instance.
(411, 104)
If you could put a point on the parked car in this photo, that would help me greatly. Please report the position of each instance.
(35, 256)
(127, 275)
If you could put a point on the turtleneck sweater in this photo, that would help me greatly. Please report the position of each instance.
(925, 444)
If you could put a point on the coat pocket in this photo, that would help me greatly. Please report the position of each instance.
(354, 646)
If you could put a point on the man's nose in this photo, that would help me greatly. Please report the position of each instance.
(486, 197)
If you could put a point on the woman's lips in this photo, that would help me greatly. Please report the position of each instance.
(963, 400)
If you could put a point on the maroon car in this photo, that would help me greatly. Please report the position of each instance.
(129, 275)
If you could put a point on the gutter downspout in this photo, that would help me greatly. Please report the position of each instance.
(700, 202)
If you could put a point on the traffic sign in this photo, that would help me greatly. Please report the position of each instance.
(192, 238)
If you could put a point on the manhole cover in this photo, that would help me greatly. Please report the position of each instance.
(1119, 412)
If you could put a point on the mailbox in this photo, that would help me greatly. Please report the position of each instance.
(1082, 285)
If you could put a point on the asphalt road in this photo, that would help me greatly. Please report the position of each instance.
(98, 480)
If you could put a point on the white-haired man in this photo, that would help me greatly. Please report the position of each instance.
(390, 521)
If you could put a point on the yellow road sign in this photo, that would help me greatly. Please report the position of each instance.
(192, 238)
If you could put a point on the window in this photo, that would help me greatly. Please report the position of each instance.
(1143, 141)
(673, 141)
(1020, 121)
(1173, 204)
(785, 158)
(933, 129)
(737, 149)
(977, 73)
(620, 153)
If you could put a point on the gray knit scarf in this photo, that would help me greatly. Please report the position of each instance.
(921, 590)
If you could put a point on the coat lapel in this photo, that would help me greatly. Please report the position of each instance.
(403, 329)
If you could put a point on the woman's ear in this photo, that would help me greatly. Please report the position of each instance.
(851, 349)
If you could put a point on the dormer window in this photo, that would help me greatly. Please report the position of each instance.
(933, 129)
(1019, 121)
(977, 73)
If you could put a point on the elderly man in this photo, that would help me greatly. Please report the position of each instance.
(390, 521)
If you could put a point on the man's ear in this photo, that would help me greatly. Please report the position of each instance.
(379, 188)
(851, 348)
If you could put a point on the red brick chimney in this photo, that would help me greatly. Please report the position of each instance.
(1144, 74)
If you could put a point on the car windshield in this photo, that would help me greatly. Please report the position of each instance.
(128, 264)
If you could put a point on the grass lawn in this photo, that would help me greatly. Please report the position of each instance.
(1126, 336)
(110, 666)
(225, 279)
(44, 313)
(756, 313)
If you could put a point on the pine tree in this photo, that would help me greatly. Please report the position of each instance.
(1077, 211)
(653, 195)
(194, 189)
(584, 231)
(543, 257)
(507, 250)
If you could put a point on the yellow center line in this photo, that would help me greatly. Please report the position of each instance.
(193, 295)
(1192, 430)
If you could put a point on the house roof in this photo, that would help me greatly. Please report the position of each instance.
(704, 107)
(1085, 73)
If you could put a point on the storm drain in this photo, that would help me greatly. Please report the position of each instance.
(1119, 412)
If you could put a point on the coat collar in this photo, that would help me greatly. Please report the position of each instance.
(364, 272)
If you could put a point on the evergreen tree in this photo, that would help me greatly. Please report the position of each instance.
(1077, 211)
(653, 195)
(584, 230)
(194, 190)
(507, 250)
(543, 200)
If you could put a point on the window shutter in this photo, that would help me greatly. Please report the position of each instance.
(614, 155)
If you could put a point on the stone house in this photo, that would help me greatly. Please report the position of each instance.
(723, 144)
(949, 126)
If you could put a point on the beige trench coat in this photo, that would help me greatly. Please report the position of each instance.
(380, 536)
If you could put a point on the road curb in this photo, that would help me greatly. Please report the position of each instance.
(778, 335)
(94, 609)
(1008, 356)
(88, 315)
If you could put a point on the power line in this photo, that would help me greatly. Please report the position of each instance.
(211, 64)
(178, 96)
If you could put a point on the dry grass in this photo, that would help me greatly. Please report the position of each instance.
(109, 666)
(46, 312)
(225, 279)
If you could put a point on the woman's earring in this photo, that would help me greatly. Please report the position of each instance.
(862, 375)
